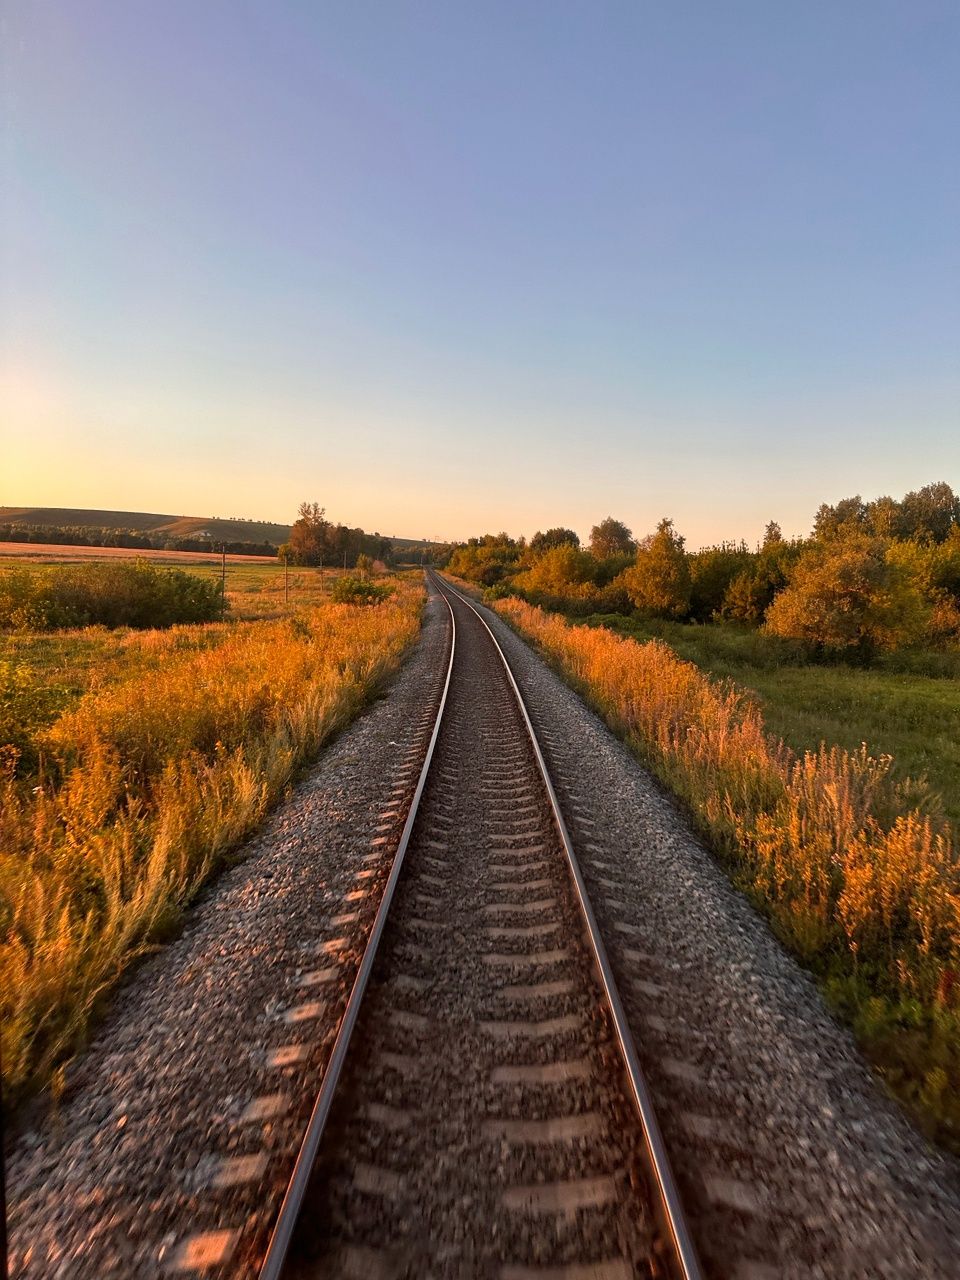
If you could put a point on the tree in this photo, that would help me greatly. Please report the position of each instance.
(928, 514)
(848, 512)
(772, 534)
(751, 592)
(659, 581)
(309, 534)
(711, 572)
(486, 559)
(884, 517)
(560, 571)
(849, 596)
(541, 542)
(611, 538)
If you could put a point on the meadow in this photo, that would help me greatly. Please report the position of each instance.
(133, 762)
(853, 862)
(905, 705)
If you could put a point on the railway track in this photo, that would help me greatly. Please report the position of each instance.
(483, 1112)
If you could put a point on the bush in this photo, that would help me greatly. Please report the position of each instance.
(118, 594)
(356, 591)
(850, 596)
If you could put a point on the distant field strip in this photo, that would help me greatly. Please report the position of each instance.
(857, 871)
(146, 782)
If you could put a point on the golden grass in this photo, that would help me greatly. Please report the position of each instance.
(146, 783)
(857, 871)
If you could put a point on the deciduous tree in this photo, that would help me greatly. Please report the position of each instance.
(611, 538)
(659, 581)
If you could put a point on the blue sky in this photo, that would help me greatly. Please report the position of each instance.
(448, 268)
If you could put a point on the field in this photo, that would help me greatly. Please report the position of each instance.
(904, 705)
(853, 861)
(149, 522)
(218, 530)
(54, 553)
(136, 760)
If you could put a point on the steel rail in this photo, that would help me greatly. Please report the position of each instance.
(672, 1205)
(286, 1219)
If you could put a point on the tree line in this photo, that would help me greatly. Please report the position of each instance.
(86, 536)
(871, 577)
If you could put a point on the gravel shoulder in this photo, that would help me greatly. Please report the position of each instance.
(792, 1161)
(172, 1144)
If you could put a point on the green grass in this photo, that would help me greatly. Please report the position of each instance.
(905, 705)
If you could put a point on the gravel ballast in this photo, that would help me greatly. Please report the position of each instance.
(176, 1134)
(483, 1126)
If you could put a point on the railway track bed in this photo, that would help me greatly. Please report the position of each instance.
(483, 1124)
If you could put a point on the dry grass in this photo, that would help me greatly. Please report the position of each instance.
(857, 871)
(146, 782)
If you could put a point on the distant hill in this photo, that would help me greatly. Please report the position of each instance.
(176, 526)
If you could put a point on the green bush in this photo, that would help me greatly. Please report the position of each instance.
(356, 591)
(117, 594)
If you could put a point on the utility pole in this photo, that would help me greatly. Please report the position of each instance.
(286, 580)
(223, 579)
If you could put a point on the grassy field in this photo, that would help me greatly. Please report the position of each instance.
(906, 705)
(42, 674)
(148, 522)
(132, 762)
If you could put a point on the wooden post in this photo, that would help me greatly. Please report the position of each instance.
(223, 579)
(286, 580)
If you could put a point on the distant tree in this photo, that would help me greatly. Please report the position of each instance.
(746, 598)
(487, 559)
(659, 581)
(751, 591)
(560, 571)
(928, 514)
(848, 596)
(611, 538)
(831, 520)
(772, 534)
(711, 572)
(308, 537)
(541, 542)
(884, 517)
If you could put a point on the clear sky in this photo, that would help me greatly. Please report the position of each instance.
(448, 267)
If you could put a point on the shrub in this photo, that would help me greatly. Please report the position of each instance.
(559, 571)
(849, 596)
(114, 594)
(357, 591)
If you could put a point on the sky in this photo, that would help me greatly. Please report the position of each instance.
(449, 268)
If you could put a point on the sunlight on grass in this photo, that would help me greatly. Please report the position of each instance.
(854, 865)
(154, 755)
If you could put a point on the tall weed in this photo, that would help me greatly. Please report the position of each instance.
(145, 785)
(857, 871)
